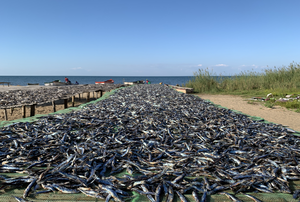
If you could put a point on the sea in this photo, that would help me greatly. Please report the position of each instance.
(41, 80)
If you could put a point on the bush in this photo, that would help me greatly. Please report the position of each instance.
(284, 79)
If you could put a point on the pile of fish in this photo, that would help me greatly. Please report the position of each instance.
(15, 98)
(168, 143)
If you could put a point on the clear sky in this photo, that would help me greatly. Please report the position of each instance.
(146, 37)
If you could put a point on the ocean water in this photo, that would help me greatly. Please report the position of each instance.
(24, 80)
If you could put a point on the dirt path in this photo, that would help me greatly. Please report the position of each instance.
(277, 114)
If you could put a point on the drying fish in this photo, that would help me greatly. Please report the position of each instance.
(90, 192)
(231, 197)
(171, 142)
(182, 198)
(252, 197)
(195, 195)
(15, 98)
(65, 190)
(20, 199)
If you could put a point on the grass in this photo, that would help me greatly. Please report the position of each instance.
(278, 81)
(269, 104)
(252, 102)
(295, 104)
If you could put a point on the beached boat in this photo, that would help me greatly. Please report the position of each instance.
(104, 82)
(139, 82)
(181, 89)
(29, 84)
(128, 83)
(58, 83)
(48, 83)
(55, 83)
(134, 82)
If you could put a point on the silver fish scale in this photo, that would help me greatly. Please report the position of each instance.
(159, 134)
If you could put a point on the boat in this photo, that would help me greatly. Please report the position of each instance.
(48, 83)
(109, 81)
(59, 83)
(29, 84)
(181, 89)
(139, 82)
(128, 83)
(55, 83)
(134, 82)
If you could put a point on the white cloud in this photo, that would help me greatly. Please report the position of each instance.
(221, 65)
(77, 68)
(200, 65)
(255, 66)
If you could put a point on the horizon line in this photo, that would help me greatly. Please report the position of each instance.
(94, 75)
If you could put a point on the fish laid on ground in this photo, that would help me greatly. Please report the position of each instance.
(169, 143)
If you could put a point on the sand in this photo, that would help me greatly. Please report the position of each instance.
(276, 114)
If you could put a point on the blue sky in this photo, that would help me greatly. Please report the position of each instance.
(146, 37)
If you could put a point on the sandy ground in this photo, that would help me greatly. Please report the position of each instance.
(277, 114)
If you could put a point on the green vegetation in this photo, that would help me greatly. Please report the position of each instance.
(269, 104)
(278, 81)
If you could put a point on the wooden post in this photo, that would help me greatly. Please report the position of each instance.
(11, 110)
(79, 96)
(53, 105)
(73, 101)
(23, 111)
(101, 93)
(93, 94)
(5, 114)
(32, 109)
(88, 96)
(65, 103)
